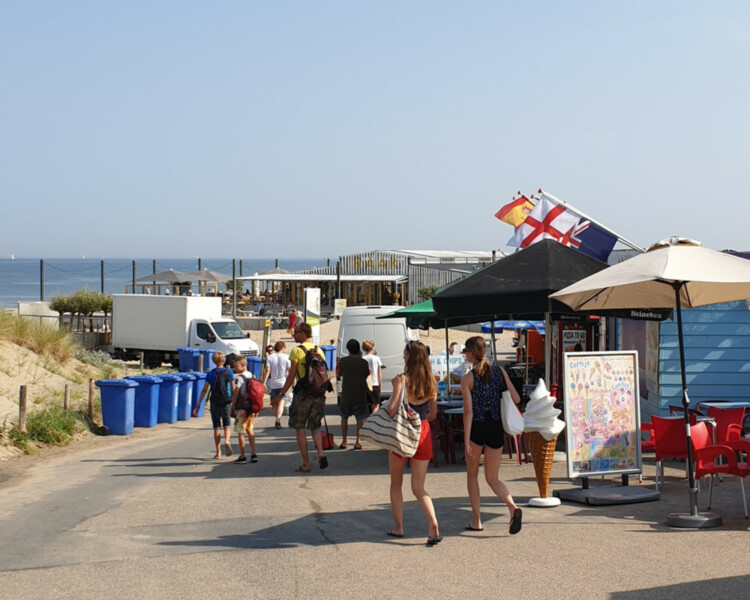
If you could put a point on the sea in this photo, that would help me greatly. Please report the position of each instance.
(21, 278)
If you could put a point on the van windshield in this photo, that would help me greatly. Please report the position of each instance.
(228, 330)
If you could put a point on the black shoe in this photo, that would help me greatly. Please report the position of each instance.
(253, 458)
(278, 425)
(241, 460)
(323, 462)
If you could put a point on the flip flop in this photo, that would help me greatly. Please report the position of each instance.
(302, 469)
(515, 521)
(227, 450)
(433, 541)
(470, 528)
(323, 462)
(342, 446)
(358, 446)
(396, 535)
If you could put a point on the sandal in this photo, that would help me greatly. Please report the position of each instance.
(515, 521)
(323, 462)
(358, 446)
(302, 469)
(433, 541)
(470, 528)
(228, 450)
(394, 534)
(342, 446)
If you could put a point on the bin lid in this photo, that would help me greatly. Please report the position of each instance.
(145, 378)
(116, 383)
(170, 377)
(187, 376)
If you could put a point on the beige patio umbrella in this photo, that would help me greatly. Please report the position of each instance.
(672, 273)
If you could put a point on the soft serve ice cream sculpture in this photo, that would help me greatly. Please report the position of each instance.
(542, 427)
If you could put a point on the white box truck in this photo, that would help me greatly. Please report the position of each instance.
(158, 325)
(390, 337)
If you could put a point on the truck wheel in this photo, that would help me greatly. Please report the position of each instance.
(152, 361)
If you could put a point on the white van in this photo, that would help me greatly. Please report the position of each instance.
(390, 337)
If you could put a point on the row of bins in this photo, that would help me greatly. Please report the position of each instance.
(189, 359)
(144, 401)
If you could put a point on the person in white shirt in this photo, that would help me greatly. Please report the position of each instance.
(376, 376)
(275, 374)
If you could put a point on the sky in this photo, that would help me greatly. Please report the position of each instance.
(323, 128)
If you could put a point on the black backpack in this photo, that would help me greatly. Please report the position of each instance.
(221, 391)
(316, 380)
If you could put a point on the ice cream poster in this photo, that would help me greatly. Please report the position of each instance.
(602, 413)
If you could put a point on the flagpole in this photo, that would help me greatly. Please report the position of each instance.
(597, 223)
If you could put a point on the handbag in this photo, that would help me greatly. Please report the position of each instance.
(512, 417)
(399, 434)
(327, 437)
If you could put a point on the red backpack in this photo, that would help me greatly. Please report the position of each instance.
(254, 393)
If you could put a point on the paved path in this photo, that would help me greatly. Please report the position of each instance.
(152, 516)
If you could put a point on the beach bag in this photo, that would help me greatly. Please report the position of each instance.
(327, 437)
(221, 390)
(254, 392)
(399, 434)
(512, 417)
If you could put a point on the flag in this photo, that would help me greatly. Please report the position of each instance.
(552, 219)
(516, 212)
(548, 220)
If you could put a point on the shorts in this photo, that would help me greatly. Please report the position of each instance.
(488, 433)
(306, 411)
(274, 393)
(220, 416)
(373, 397)
(358, 411)
(244, 423)
(424, 450)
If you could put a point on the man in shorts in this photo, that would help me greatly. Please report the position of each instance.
(307, 409)
(275, 375)
(354, 371)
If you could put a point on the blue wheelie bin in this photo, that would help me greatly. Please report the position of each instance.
(188, 359)
(169, 392)
(253, 365)
(208, 364)
(200, 380)
(118, 404)
(330, 353)
(146, 400)
(185, 397)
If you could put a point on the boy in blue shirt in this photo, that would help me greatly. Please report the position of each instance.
(220, 382)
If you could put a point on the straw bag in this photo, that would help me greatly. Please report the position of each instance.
(399, 434)
(512, 417)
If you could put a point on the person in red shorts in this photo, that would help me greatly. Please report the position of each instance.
(421, 395)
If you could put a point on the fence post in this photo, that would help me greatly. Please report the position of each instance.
(22, 409)
(91, 399)
(66, 397)
(200, 362)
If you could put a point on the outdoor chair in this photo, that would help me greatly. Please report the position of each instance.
(648, 445)
(679, 411)
(441, 437)
(717, 459)
(728, 423)
(670, 443)
(519, 443)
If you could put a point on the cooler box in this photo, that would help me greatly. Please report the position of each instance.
(185, 397)
(146, 400)
(188, 358)
(118, 404)
(253, 365)
(200, 380)
(169, 391)
(330, 352)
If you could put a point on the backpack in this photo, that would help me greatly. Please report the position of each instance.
(316, 380)
(254, 392)
(221, 390)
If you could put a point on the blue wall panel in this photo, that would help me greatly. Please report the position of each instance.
(717, 355)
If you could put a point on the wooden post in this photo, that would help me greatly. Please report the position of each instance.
(66, 397)
(41, 280)
(22, 409)
(200, 362)
(140, 366)
(91, 399)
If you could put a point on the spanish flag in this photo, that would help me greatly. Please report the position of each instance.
(516, 212)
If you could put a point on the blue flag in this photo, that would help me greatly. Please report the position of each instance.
(592, 240)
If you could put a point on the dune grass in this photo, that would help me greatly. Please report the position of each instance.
(42, 338)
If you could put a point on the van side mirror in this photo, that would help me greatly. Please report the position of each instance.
(210, 338)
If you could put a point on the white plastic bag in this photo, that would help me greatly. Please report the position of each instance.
(512, 417)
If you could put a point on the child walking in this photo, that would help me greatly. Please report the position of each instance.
(244, 421)
(220, 382)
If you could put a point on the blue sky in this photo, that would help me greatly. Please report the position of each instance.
(321, 128)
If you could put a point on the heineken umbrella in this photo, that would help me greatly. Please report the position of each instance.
(672, 273)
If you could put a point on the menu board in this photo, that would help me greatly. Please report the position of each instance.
(602, 410)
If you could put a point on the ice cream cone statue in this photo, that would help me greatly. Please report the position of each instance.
(542, 427)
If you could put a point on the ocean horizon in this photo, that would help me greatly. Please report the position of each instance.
(20, 278)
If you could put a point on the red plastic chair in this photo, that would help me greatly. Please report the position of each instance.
(669, 443)
(519, 443)
(648, 445)
(728, 423)
(707, 461)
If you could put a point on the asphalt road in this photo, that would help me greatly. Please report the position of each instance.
(154, 516)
